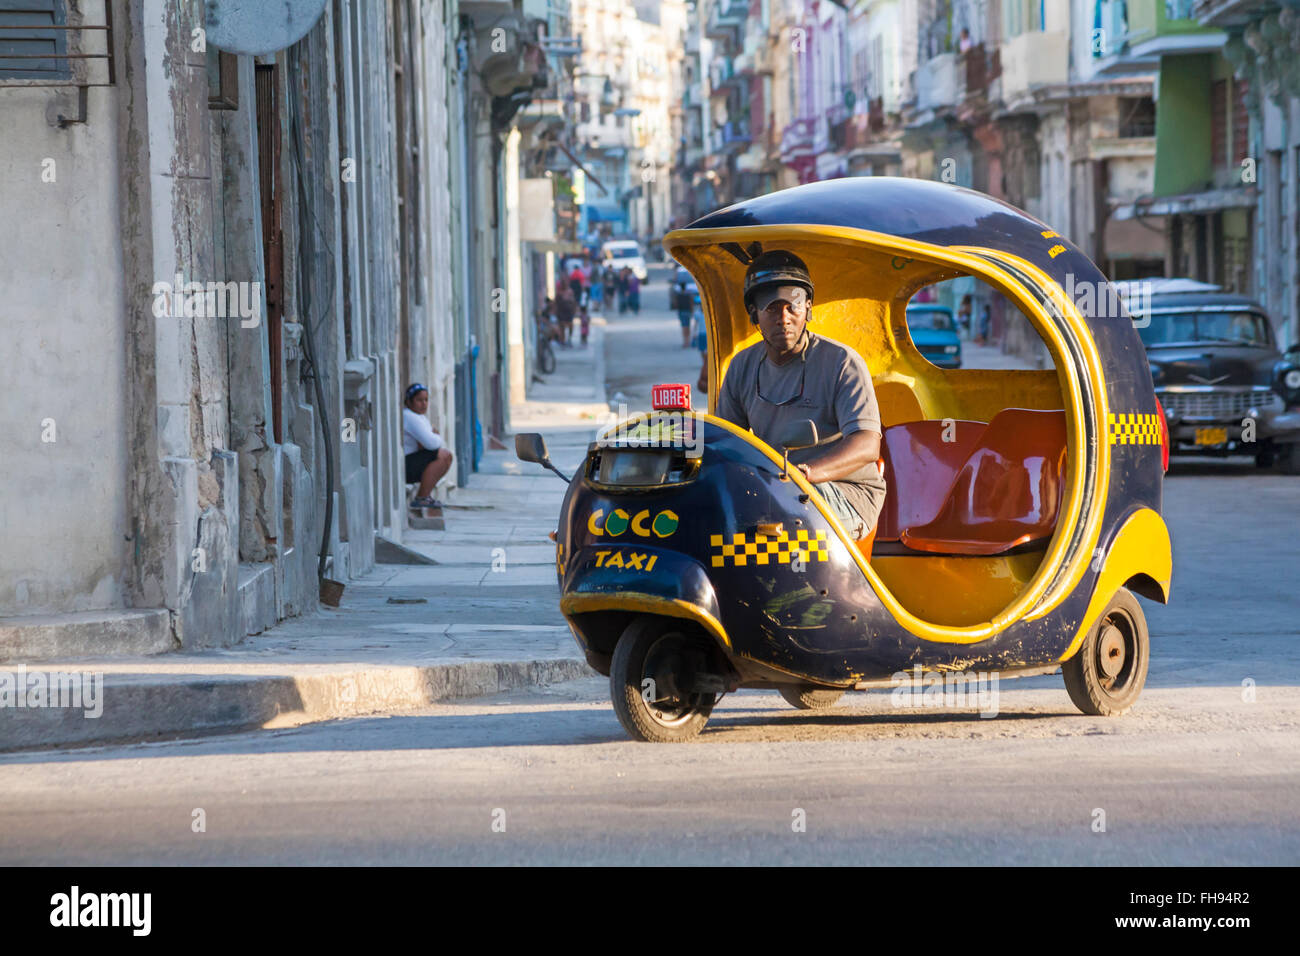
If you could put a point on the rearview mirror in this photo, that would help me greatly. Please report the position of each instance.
(530, 446)
(800, 434)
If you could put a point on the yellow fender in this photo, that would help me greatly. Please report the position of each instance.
(1141, 547)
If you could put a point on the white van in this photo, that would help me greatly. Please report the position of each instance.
(624, 252)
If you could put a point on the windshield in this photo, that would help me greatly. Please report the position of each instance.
(622, 250)
(1167, 328)
(933, 320)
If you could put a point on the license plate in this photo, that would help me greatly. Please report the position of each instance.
(1211, 436)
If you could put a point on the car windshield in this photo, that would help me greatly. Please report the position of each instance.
(622, 250)
(933, 320)
(1167, 328)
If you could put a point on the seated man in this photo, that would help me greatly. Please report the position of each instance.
(427, 460)
(792, 375)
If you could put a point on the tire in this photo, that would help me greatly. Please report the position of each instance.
(810, 698)
(1106, 675)
(1265, 457)
(662, 651)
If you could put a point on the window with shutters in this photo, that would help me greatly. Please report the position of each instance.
(1229, 125)
(29, 48)
(1240, 121)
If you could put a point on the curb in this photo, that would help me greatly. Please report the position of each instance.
(142, 709)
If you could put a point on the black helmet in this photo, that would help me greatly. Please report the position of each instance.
(776, 267)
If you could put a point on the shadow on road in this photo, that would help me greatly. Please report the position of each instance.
(585, 724)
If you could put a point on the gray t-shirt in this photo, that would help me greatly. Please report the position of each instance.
(837, 397)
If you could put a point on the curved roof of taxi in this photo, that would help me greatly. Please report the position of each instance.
(919, 209)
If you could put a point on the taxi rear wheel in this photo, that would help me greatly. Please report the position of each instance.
(650, 681)
(810, 698)
(1107, 674)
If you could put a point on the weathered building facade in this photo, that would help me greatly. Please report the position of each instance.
(1263, 50)
(227, 265)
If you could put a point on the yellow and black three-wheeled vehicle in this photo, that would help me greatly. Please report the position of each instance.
(1023, 506)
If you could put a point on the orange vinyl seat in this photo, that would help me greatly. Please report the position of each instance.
(921, 467)
(1008, 492)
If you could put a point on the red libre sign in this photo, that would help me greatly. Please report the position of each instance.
(675, 396)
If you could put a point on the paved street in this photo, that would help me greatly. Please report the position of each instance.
(1195, 774)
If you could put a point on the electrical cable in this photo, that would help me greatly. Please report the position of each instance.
(309, 343)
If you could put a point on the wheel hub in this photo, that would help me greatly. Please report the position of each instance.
(1111, 652)
(664, 665)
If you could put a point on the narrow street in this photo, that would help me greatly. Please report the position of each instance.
(334, 474)
(1204, 770)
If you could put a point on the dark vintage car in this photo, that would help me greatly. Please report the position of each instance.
(1218, 371)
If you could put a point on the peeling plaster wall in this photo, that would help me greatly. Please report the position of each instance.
(165, 475)
(438, 368)
(63, 316)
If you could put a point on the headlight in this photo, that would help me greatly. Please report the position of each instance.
(1292, 379)
(951, 349)
(640, 467)
(634, 467)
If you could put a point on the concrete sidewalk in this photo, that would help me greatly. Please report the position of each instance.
(483, 619)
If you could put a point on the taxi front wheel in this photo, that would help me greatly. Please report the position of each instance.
(811, 698)
(652, 676)
(1108, 672)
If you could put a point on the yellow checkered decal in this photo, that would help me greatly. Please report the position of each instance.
(1134, 429)
(760, 547)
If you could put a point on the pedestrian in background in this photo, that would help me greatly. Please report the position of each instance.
(963, 316)
(611, 284)
(427, 457)
(683, 305)
(701, 343)
(623, 275)
(576, 281)
(566, 307)
(633, 292)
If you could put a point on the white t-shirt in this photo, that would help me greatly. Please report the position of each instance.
(418, 433)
